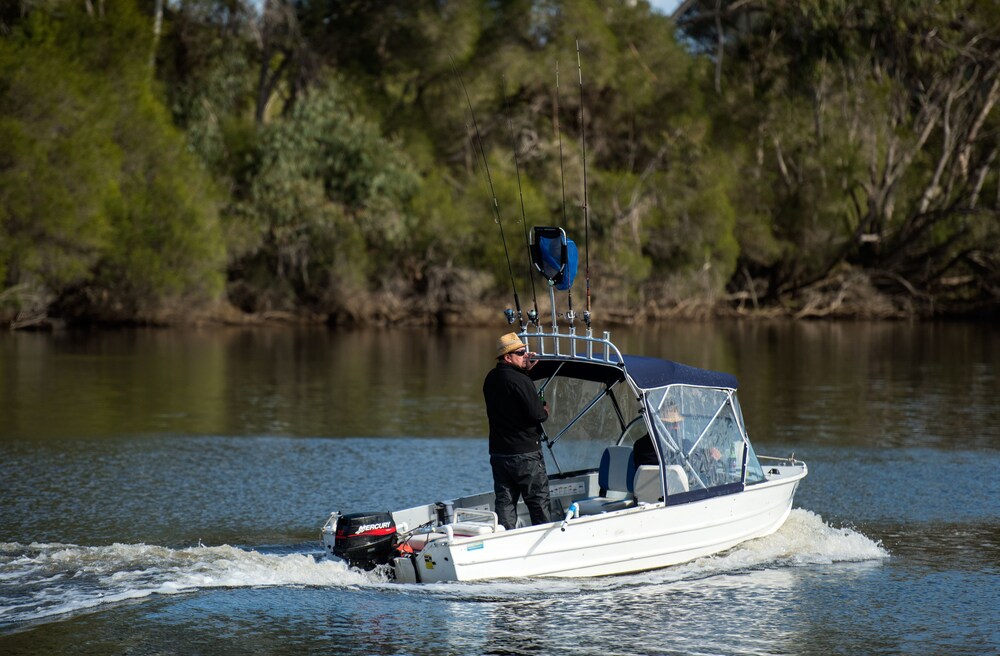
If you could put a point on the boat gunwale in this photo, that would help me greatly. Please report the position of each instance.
(622, 512)
(713, 546)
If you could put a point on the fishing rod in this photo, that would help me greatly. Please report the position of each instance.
(570, 315)
(532, 314)
(586, 213)
(496, 206)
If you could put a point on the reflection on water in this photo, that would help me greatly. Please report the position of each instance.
(836, 383)
(239, 382)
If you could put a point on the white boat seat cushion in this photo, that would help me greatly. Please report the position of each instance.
(646, 484)
(677, 480)
(472, 521)
(474, 528)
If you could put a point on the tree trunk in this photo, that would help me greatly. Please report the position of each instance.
(157, 27)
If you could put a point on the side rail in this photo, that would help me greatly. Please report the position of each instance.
(474, 515)
(790, 461)
(569, 344)
(779, 468)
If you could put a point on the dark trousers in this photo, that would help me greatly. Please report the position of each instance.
(518, 476)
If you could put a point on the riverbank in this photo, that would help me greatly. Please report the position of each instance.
(845, 295)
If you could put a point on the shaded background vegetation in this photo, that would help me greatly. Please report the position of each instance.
(163, 161)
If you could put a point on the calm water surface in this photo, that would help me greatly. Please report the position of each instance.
(161, 493)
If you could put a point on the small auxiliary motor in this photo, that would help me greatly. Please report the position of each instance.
(365, 540)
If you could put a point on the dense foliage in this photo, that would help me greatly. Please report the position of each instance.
(103, 211)
(319, 157)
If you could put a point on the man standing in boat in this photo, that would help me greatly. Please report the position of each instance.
(515, 413)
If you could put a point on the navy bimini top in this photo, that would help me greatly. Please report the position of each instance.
(646, 372)
(649, 373)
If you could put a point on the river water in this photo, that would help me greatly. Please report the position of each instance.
(161, 492)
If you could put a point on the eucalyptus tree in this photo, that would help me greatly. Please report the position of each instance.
(659, 207)
(325, 206)
(875, 140)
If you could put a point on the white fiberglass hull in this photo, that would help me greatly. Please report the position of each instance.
(636, 539)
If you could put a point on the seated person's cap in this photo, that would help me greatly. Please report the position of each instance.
(671, 416)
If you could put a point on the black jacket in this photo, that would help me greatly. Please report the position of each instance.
(514, 410)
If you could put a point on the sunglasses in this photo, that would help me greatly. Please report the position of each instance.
(520, 353)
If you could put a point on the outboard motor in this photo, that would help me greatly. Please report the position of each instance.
(365, 540)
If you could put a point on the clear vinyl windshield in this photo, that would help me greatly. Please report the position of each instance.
(700, 431)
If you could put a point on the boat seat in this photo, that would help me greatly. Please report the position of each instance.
(646, 484)
(677, 480)
(614, 476)
(466, 529)
(466, 522)
(470, 521)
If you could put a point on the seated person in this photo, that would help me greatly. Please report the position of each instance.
(643, 452)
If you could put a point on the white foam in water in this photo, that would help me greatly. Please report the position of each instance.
(805, 539)
(44, 580)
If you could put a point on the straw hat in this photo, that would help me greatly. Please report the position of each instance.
(508, 344)
(671, 416)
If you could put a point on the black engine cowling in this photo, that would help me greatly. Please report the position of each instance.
(365, 540)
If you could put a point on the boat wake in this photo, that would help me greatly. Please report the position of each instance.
(41, 581)
(805, 539)
(38, 581)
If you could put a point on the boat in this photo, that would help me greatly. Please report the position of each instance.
(650, 465)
